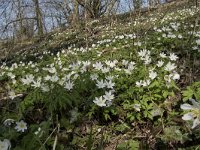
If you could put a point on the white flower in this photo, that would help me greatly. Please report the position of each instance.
(160, 63)
(136, 107)
(54, 78)
(108, 96)
(37, 83)
(21, 126)
(47, 78)
(163, 55)
(146, 83)
(175, 76)
(147, 60)
(5, 144)
(164, 35)
(110, 84)
(62, 81)
(170, 35)
(14, 81)
(180, 36)
(193, 114)
(186, 107)
(118, 69)
(139, 83)
(195, 47)
(144, 53)
(111, 64)
(131, 66)
(75, 66)
(152, 75)
(196, 122)
(109, 77)
(198, 42)
(100, 101)
(8, 122)
(86, 63)
(187, 116)
(83, 69)
(11, 75)
(52, 70)
(45, 88)
(128, 71)
(124, 62)
(173, 57)
(98, 65)
(105, 69)
(94, 77)
(69, 85)
(68, 77)
(100, 84)
(75, 76)
(28, 79)
(36, 70)
(137, 44)
(12, 94)
(189, 107)
(170, 66)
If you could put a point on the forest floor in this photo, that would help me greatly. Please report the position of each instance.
(130, 82)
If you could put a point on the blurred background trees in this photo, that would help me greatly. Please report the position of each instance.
(21, 19)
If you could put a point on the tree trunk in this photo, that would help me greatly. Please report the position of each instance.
(38, 18)
(19, 16)
(137, 4)
(75, 18)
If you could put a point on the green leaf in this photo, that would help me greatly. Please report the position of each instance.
(154, 84)
(165, 94)
(129, 145)
(187, 94)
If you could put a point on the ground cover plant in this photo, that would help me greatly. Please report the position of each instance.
(129, 89)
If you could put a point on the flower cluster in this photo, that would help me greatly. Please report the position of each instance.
(193, 112)
(21, 126)
(105, 100)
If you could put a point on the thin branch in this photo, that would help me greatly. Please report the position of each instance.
(17, 20)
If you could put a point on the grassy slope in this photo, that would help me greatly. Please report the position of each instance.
(115, 42)
(58, 40)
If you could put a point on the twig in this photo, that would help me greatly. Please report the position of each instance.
(48, 137)
(56, 138)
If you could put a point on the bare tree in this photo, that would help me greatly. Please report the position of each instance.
(22, 18)
(38, 17)
(96, 8)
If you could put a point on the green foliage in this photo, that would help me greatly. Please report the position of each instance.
(173, 134)
(192, 91)
(128, 145)
(90, 141)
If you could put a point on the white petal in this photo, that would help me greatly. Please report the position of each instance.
(187, 116)
(186, 107)
(195, 103)
(196, 122)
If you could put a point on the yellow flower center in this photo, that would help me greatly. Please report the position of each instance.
(21, 126)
